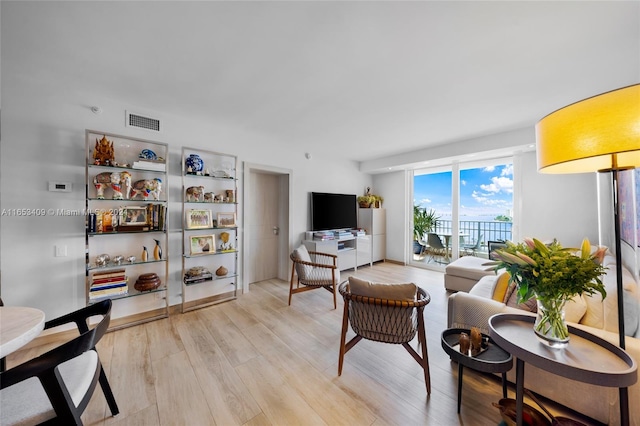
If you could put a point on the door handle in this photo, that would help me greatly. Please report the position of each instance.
(276, 230)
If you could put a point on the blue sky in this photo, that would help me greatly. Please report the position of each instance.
(484, 191)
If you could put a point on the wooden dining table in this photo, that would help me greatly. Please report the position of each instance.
(18, 326)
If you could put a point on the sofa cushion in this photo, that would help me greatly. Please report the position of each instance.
(604, 313)
(470, 267)
(485, 287)
(575, 309)
(383, 291)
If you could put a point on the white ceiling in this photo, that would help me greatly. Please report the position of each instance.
(364, 79)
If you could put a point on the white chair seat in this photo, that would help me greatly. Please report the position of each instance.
(26, 403)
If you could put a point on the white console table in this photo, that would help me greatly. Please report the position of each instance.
(351, 251)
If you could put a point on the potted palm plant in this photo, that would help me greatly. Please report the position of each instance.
(423, 221)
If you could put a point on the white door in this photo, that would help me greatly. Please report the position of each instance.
(264, 229)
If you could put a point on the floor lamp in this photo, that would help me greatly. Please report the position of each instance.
(598, 134)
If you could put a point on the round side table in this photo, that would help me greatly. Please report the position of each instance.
(492, 360)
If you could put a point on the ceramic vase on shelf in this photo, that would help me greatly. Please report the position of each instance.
(550, 326)
(157, 250)
(194, 163)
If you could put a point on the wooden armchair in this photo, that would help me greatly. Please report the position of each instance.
(56, 387)
(381, 318)
(319, 272)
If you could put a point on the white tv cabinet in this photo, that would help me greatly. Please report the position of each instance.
(351, 251)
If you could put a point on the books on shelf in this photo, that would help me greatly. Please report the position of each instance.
(323, 235)
(358, 232)
(343, 234)
(108, 284)
(150, 165)
(101, 294)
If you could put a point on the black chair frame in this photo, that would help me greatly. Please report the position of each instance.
(44, 367)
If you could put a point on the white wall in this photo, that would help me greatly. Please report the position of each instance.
(392, 186)
(558, 206)
(43, 139)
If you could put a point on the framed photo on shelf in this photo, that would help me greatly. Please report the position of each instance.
(199, 219)
(134, 216)
(226, 220)
(202, 244)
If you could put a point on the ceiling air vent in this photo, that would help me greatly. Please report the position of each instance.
(142, 122)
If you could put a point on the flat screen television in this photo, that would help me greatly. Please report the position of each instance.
(333, 211)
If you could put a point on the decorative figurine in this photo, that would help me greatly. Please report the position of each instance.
(464, 343)
(209, 197)
(131, 259)
(117, 260)
(146, 187)
(476, 341)
(103, 153)
(195, 193)
(125, 179)
(145, 254)
(102, 259)
(222, 271)
(225, 244)
(156, 188)
(157, 250)
(230, 195)
(114, 180)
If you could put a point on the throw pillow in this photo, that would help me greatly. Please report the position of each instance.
(502, 284)
(302, 253)
(383, 291)
(511, 299)
(575, 309)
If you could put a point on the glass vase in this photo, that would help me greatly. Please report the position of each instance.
(550, 326)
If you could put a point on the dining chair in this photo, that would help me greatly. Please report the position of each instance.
(386, 313)
(472, 249)
(319, 272)
(56, 387)
(435, 243)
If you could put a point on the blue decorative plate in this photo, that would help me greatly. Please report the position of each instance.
(147, 154)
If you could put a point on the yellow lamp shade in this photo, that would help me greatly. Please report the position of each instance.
(595, 134)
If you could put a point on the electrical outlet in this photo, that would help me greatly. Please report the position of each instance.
(61, 251)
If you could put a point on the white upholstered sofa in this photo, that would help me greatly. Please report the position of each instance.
(599, 317)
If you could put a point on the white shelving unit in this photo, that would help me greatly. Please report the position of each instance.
(120, 227)
(374, 222)
(209, 229)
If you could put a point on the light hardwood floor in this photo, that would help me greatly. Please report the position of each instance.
(257, 361)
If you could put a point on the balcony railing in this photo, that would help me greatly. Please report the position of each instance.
(473, 231)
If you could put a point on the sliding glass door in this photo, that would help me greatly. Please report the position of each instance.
(458, 209)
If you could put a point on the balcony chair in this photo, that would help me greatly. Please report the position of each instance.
(321, 272)
(424, 246)
(436, 246)
(56, 386)
(387, 313)
(472, 249)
